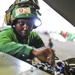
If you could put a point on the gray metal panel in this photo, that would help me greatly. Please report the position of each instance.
(65, 8)
(10, 65)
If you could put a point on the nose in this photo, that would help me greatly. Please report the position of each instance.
(25, 27)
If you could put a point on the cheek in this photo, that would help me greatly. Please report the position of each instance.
(30, 28)
(18, 29)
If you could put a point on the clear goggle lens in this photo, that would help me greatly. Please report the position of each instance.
(37, 22)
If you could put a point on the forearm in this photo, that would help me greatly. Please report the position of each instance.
(14, 48)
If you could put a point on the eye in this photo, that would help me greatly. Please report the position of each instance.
(21, 23)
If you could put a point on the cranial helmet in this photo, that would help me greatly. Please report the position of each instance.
(22, 9)
(23, 12)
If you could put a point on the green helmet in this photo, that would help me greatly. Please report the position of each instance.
(23, 12)
(22, 9)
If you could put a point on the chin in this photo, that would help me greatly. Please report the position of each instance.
(24, 36)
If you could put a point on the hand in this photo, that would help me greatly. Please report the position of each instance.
(45, 55)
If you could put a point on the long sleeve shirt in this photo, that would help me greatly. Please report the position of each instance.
(9, 43)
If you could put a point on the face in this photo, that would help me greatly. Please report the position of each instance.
(23, 27)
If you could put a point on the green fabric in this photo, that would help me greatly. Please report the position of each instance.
(9, 43)
(71, 36)
(24, 12)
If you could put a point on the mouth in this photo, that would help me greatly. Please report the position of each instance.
(24, 33)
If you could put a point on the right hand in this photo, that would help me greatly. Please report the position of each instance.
(45, 55)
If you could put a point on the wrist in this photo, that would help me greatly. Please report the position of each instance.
(33, 52)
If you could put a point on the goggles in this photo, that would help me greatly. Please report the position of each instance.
(30, 22)
(36, 22)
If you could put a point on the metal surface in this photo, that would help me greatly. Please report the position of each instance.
(65, 8)
(71, 62)
(12, 66)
